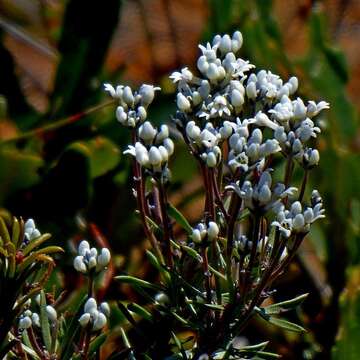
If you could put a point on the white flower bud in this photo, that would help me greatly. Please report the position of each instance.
(147, 131)
(264, 194)
(79, 264)
(237, 99)
(83, 247)
(128, 96)
(100, 322)
(196, 236)
(92, 262)
(212, 72)
(253, 151)
(294, 82)
(298, 222)
(141, 113)
(25, 322)
(251, 90)
(226, 130)
(225, 44)
(105, 308)
(202, 64)
(237, 41)
(204, 89)
(104, 257)
(314, 157)
(90, 305)
(121, 115)
(183, 103)
(164, 154)
(192, 130)
(35, 319)
(212, 230)
(256, 136)
(155, 156)
(299, 109)
(161, 298)
(297, 146)
(169, 145)
(211, 160)
(51, 313)
(141, 154)
(308, 215)
(84, 319)
(196, 98)
(147, 93)
(163, 133)
(296, 207)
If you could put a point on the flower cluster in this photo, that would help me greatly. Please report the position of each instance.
(94, 316)
(29, 318)
(88, 260)
(200, 232)
(154, 147)
(132, 108)
(296, 219)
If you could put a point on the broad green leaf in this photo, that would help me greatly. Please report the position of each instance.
(104, 155)
(141, 311)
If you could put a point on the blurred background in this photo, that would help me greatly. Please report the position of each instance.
(61, 148)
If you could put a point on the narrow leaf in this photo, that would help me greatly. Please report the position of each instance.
(179, 218)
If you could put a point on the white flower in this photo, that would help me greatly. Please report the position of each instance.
(51, 313)
(30, 231)
(147, 93)
(93, 315)
(185, 75)
(183, 103)
(212, 230)
(25, 322)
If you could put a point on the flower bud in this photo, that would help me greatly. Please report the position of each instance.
(35, 319)
(212, 72)
(100, 322)
(196, 236)
(84, 319)
(251, 90)
(314, 157)
(237, 41)
(212, 230)
(299, 109)
(169, 145)
(128, 96)
(141, 113)
(264, 194)
(25, 322)
(51, 313)
(162, 134)
(237, 99)
(196, 98)
(294, 82)
(296, 207)
(147, 93)
(308, 215)
(83, 247)
(90, 305)
(147, 131)
(105, 308)
(155, 156)
(121, 115)
(183, 103)
(225, 44)
(104, 257)
(164, 153)
(79, 264)
(192, 130)
(211, 160)
(298, 222)
(202, 64)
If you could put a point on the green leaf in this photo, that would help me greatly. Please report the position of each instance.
(141, 311)
(138, 282)
(104, 155)
(179, 218)
(36, 243)
(19, 170)
(44, 321)
(284, 305)
(287, 325)
(97, 343)
(192, 253)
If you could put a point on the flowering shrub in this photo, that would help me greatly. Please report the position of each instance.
(240, 125)
(250, 136)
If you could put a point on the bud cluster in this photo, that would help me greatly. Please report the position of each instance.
(94, 316)
(154, 147)
(88, 260)
(132, 108)
(201, 231)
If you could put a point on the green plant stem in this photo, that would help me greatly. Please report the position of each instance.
(141, 200)
(218, 199)
(303, 185)
(35, 344)
(91, 285)
(166, 223)
(57, 124)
